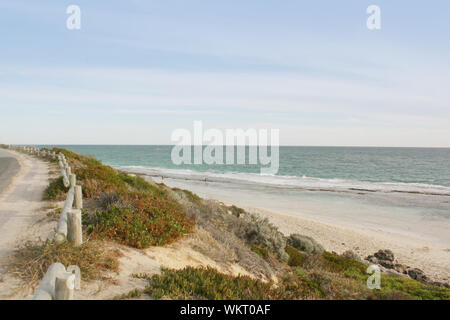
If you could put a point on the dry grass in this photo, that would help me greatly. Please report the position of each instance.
(31, 261)
(54, 214)
(133, 294)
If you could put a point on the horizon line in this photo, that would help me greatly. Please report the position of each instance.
(313, 146)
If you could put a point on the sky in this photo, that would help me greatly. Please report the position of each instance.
(138, 70)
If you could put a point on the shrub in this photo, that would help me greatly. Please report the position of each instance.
(391, 286)
(309, 287)
(405, 288)
(208, 283)
(55, 190)
(304, 243)
(140, 184)
(135, 293)
(261, 251)
(300, 283)
(336, 263)
(296, 258)
(150, 222)
(256, 231)
(112, 198)
(132, 211)
(349, 254)
(224, 229)
(190, 195)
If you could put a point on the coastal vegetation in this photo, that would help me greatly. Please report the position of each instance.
(131, 211)
(329, 277)
(207, 283)
(305, 270)
(55, 190)
(126, 208)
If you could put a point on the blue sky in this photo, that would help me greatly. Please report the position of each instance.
(137, 70)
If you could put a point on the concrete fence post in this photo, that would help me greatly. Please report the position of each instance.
(73, 180)
(46, 289)
(61, 228)
(74, 230)
(64, 286)
(58, 284)
(78, 197)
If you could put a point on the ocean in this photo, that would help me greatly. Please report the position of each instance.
(403, 190)
(344, 168)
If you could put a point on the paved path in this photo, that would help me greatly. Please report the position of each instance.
(9, 167)
(19, 202)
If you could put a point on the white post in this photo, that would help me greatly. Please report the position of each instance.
(73, 180)
(78, 197)
(64, 286)
(75, 231)
(46, 289)
(61, 228)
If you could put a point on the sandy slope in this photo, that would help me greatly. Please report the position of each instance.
(432, 258)
(178, 255)
(18, 206)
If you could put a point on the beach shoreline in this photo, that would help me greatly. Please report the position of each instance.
(432, 257)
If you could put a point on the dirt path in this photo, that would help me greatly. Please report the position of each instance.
(19, 202)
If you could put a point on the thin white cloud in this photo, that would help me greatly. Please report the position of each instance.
(308, 109)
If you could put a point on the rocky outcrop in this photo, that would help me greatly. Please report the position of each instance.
(384, 255)
(386, 259)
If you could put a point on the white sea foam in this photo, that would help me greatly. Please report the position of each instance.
(291, 182)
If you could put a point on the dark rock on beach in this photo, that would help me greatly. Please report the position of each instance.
(386, 259)
(401, 268)
(385, 255)
(417, 274)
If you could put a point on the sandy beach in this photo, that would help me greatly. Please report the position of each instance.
(432, 258)
(409, 248)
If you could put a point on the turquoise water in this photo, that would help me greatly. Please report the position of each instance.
(417, 170)
(400, 190)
